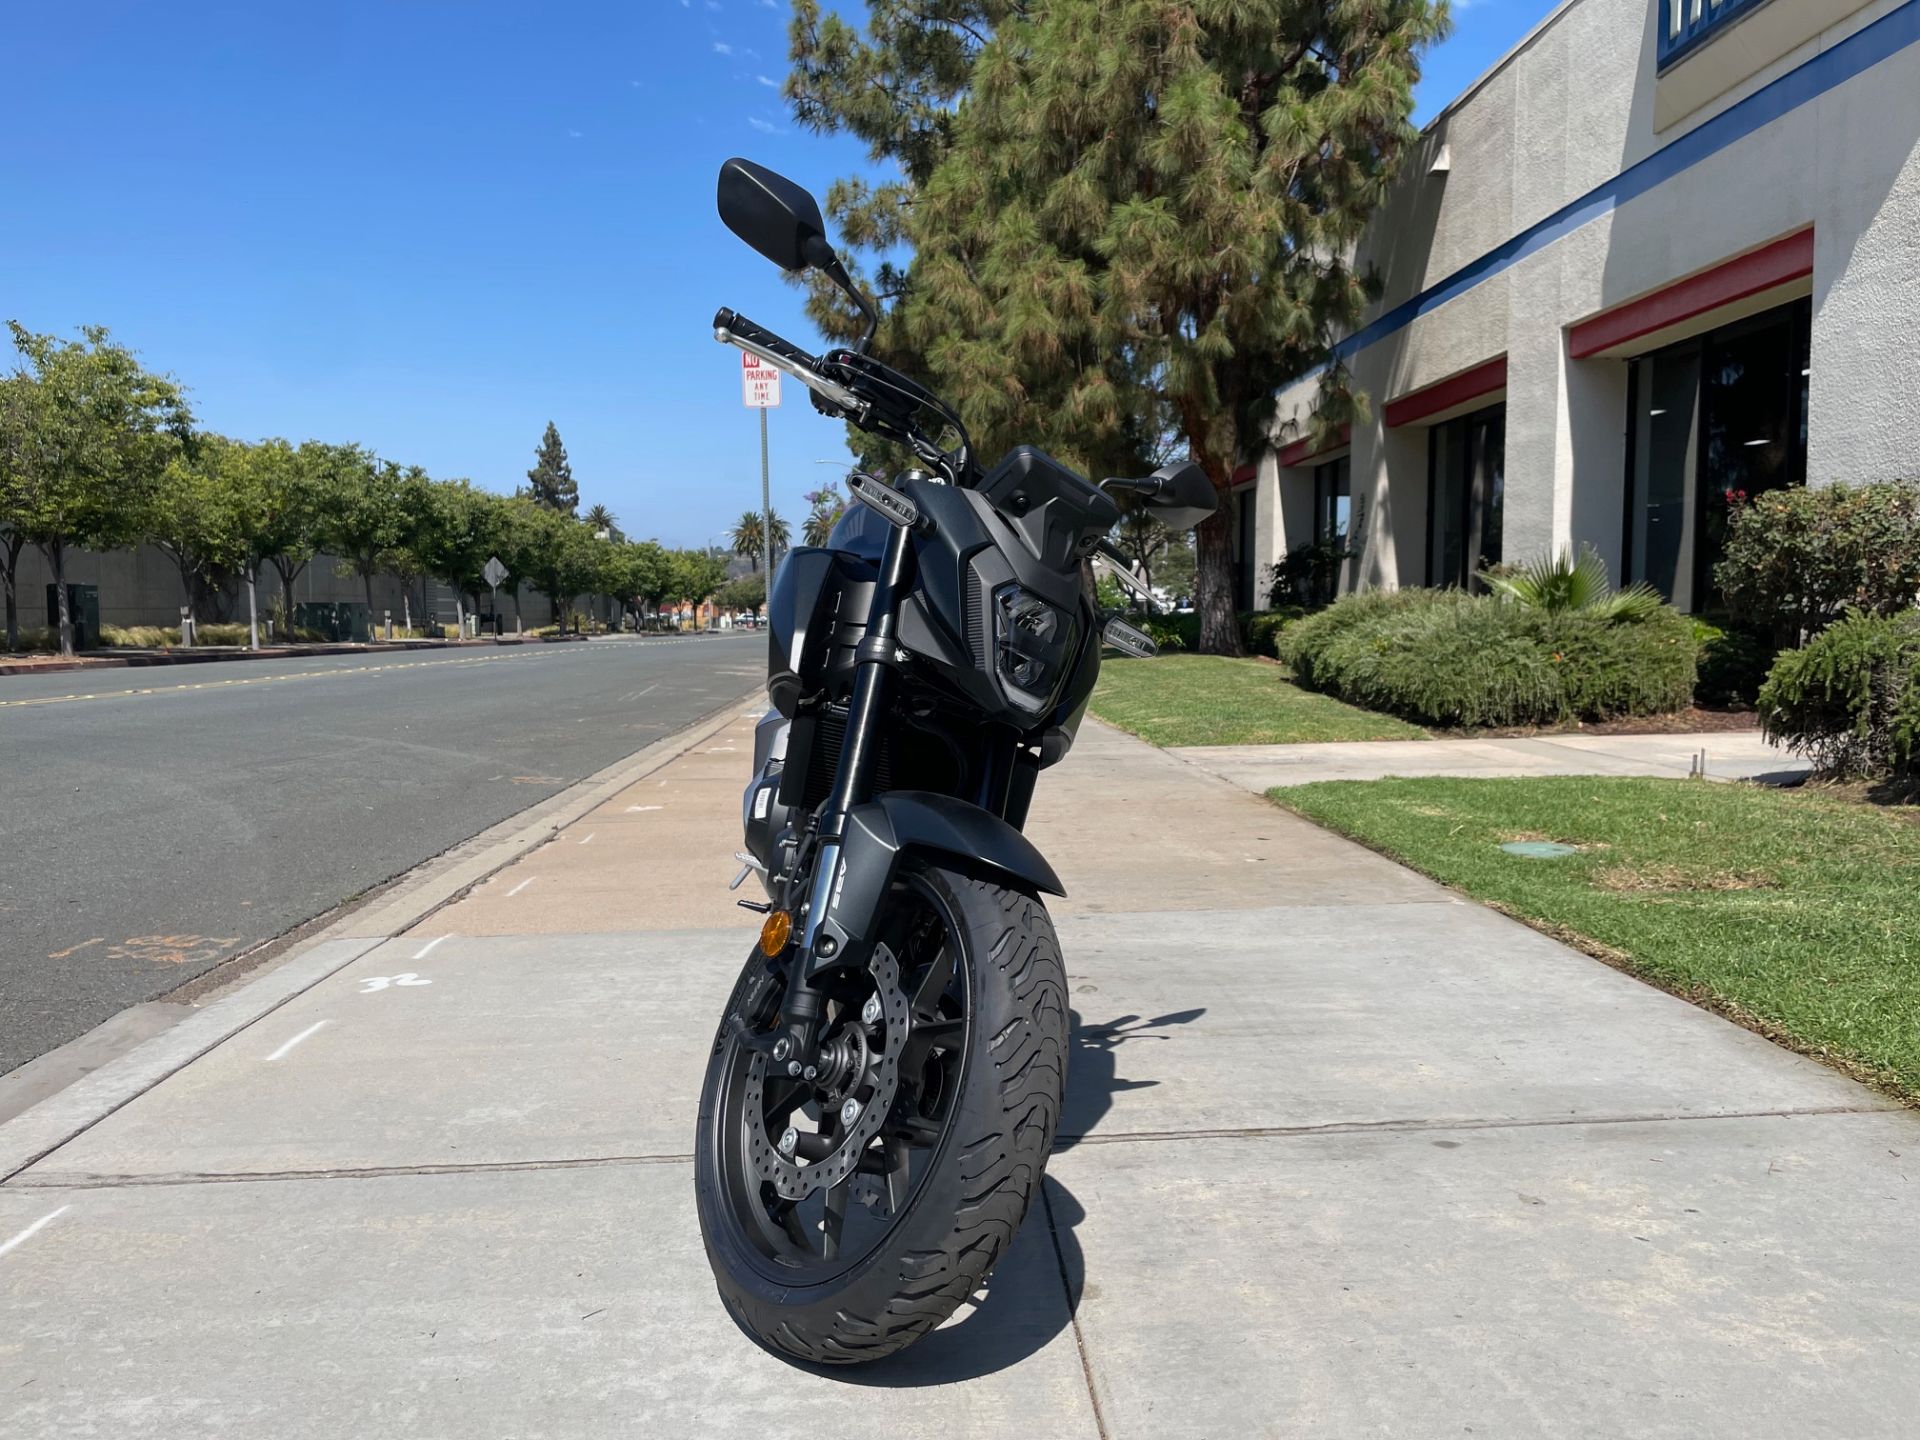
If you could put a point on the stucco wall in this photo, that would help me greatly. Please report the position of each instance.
(1571, 109)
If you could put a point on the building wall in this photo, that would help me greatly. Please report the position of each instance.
(142, 586)
(1521, 212)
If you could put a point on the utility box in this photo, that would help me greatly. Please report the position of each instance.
(83, 613)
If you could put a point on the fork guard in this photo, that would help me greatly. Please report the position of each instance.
(906, 822)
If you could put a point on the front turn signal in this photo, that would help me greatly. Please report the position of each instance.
(775, 933)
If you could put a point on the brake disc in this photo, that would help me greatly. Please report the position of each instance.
(794, 1179)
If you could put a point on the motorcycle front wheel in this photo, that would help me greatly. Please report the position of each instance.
(848, 1212)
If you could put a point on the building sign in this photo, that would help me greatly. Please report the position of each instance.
(1686, 25)
(759, 383)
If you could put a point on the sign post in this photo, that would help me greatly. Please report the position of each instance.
(493, 573)
(760, 390)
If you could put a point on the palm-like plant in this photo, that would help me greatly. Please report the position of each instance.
(1562, 583)
(601, 518)
(827, 506)
(749, 536)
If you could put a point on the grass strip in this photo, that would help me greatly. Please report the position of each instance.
(1214, 700)
(1794, 912)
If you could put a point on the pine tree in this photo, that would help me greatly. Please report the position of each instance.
(1134, 224)
(550, 482)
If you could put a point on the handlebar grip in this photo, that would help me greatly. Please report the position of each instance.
(740, 327)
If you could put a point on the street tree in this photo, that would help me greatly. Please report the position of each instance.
(96, 433)
(199, 516)
(749, 592)
(362, 510)
(290, 486)
(551, 482)
(468, 528)
(17, 393)
(749, 537)
(1142, 539)
(1123, 210)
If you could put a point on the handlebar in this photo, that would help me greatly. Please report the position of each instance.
(730, 328)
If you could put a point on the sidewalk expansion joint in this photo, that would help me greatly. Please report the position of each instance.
(55, 1180)
(1073, 1313)
(1409, 1126)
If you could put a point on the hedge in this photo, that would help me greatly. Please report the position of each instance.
(1445, 658)
(1796, 559)
(1849, 700)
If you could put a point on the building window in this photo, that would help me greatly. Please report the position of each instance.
(1333, 501)
(1466, 492)
(1688, 24)
(1716, 420)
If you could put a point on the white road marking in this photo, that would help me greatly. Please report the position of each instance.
(375, 983)
(427, 949)
(521, 886)
(590, 837)
(296, 1039)
(33, 1229)
(638, 809)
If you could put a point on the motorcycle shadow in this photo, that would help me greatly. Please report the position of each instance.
(1017, 1313)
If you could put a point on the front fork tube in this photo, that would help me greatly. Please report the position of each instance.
(852, 785)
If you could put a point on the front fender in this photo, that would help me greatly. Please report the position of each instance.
(903, 822)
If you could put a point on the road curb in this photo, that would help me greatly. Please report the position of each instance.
(233, 654)
(37, 1132)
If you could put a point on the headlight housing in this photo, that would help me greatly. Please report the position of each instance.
(1033, 641)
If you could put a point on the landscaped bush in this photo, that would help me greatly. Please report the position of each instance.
(36, 640)
(138, 637)
(1849, 700)
(1442, 657)
(1796, 559)
(1734, 660)
(1260, 629)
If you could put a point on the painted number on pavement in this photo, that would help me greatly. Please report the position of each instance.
(372, 983)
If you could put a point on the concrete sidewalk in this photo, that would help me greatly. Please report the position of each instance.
(1342, 1155)
(1730, 755)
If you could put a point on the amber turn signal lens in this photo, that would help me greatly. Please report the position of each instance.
(774, 934)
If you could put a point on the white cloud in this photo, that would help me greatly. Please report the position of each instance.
(575, 134)
(765, 127)
(720, 47)
(768, 81)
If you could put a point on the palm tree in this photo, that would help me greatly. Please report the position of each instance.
(748, 539)
(1561, 583)
(600, 518)
(828, 505)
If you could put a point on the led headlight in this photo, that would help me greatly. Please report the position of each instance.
(1032, 643)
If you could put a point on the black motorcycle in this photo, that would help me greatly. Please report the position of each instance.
(882, 1094)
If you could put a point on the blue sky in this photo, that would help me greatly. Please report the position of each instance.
(432, 227)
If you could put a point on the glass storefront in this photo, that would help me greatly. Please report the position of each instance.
(1466, 468)
(1716, 420)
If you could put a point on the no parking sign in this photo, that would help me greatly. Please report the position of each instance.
(759, 383)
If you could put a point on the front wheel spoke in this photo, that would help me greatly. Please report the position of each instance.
(896, 1167)
(932, 984)
(916, 1130)
(835, 1219)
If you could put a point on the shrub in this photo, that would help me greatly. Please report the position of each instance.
(1796, 559)
(1849, 700)
(36, 639)
(1260, 629)
(1173, 632)
(1734, 659)
(221, 634)
(138, 637)
(1442, 657)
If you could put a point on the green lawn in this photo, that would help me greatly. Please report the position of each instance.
(1797, 912)
(1212, 700)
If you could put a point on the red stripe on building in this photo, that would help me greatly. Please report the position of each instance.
(1245, 473)
(1776, 264)
(1299, 452)
(1412, 408)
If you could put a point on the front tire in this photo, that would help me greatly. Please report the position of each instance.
(983, 1116)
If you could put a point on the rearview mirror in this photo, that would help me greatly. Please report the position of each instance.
(782, 221)
(774, 216)
(1186, 496)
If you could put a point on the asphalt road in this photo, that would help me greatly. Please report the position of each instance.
(154, 822)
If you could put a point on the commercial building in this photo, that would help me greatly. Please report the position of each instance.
(1665, 254)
